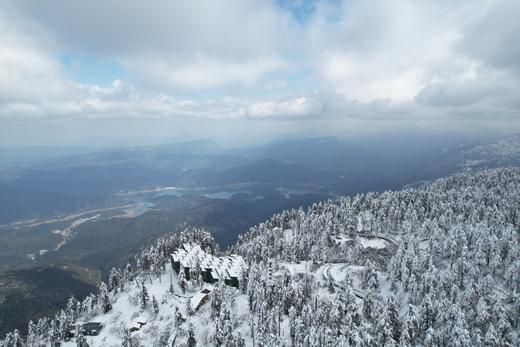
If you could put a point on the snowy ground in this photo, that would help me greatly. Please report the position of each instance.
(161, 328)
(372, 243)
(338, 273)
(126, 312)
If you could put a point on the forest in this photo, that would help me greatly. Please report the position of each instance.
(437, 265)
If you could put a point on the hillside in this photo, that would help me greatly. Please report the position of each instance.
(503, 151)
(433, 266)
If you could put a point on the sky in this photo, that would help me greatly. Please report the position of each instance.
(91, 72)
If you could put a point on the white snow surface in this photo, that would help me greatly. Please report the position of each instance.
(126, 312)
(372, 243)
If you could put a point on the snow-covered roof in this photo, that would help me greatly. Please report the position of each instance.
(197, 298)
(191, 255)
(141, 320)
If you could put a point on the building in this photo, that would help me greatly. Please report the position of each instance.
(133, 329)
(212, 269)
(88, 329)
(91, 328)
(200, 298)
(138, 326)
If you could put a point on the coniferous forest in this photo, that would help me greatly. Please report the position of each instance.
(437, 265)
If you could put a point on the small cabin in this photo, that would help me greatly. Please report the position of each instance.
(201, 298)
(91, 328)
(138, 325)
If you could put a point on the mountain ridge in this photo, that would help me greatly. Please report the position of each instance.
(429, 266)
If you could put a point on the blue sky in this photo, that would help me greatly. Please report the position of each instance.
(301, 10)
(92, 70)
(244, 69)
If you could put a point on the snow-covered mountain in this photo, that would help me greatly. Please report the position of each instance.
(501, 152)
(435, 266)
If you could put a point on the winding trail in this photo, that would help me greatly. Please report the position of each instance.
(382, 237)
(339, 284)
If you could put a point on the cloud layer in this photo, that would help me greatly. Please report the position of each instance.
(256, 59)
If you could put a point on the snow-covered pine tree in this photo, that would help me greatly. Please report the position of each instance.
(144, 297)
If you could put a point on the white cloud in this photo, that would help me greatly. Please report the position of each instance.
(387, 50)
(191, 44)
(122, 101)
(365, 81)
(201, 72)
(492, 36)
(26, 70)
(360, 59)
(300, 107)
(245, 28)
(33, 84)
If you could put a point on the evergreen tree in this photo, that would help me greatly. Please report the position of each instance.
(144, 297)
(81, 341)
(192, 342)
(393, 316)
(104, 299)
(155, 305)
(128, 340)
(331, 287)
(491, 338)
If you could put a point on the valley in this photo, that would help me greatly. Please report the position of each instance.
(377, 269)
(92, 241)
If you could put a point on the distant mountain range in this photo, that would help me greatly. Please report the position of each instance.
(65, 184)
(504, 151)
(328, 153)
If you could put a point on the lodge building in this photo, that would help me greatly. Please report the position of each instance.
(212, 269)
